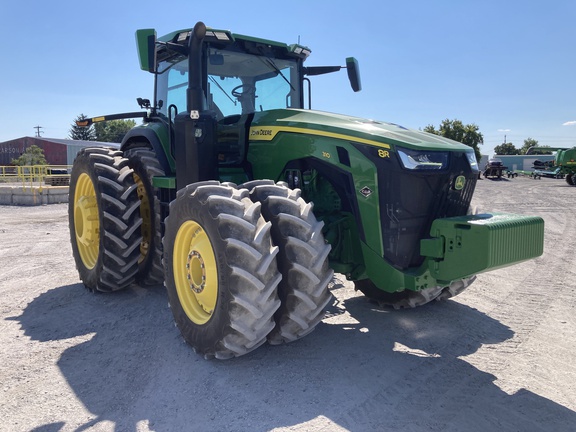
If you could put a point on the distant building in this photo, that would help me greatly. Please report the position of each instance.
(517, 162)
(56, 151)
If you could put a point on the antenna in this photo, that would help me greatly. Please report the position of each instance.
(38, 131)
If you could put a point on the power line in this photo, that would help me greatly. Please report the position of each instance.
(38, 131)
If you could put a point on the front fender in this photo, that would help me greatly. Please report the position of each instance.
(156, 134)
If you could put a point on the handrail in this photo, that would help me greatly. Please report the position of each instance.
(29, 174)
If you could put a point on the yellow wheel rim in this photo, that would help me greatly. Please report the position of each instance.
(195, 272)
(86, 221)
(146, 215)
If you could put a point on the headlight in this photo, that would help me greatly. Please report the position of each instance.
(472, 160)
(423, 159)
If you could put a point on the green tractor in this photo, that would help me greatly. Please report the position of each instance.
(564, 162)
(244, 203)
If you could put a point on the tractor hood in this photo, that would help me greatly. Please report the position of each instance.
(267, 124)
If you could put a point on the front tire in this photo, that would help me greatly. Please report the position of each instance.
(104, 219)
(302, 260)
(221, 272)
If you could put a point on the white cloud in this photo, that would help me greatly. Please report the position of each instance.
(503, 130)
(569, 123)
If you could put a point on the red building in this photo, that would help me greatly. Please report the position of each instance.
(56, 151)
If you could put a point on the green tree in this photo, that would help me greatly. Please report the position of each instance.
(33, 155)
(531, 142)
(455, 130)
(113, 130)
(82, 133)
(528, 142)
(506, 149)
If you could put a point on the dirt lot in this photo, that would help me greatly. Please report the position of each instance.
(499, 357)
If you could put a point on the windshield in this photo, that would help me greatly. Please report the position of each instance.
(237, 83)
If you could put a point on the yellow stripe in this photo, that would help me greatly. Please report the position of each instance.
(268, 133)
(98, 119)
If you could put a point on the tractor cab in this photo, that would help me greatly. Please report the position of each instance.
(238, 79)
(219, 80)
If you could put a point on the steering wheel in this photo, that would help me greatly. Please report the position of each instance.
(248, 88)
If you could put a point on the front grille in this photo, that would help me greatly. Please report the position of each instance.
(410, 200)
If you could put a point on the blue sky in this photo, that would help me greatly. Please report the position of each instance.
(508, 66)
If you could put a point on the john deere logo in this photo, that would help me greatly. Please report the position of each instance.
(366, 191)
(459, 182)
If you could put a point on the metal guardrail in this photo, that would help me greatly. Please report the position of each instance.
(55, 175)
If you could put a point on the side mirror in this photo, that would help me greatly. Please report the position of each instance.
(353, 73)
(146, 43)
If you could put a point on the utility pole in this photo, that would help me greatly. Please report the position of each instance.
(38, 131)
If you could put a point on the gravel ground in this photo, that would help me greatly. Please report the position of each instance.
(499, 357)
